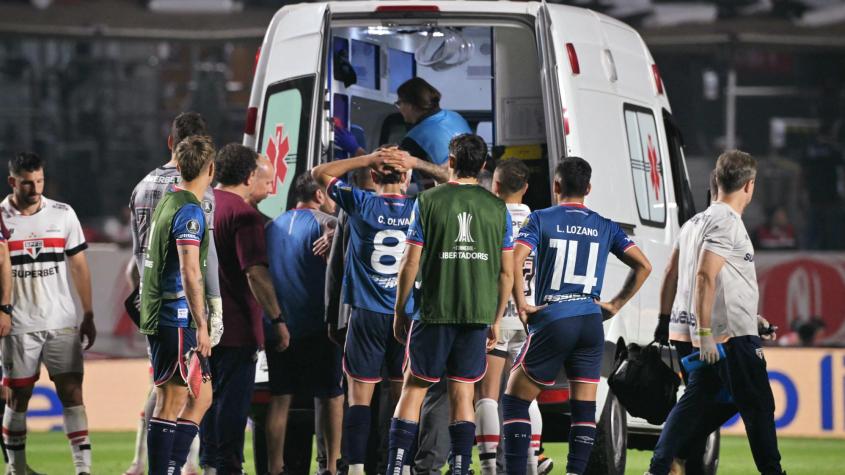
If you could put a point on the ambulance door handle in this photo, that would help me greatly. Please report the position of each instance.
(628, 228)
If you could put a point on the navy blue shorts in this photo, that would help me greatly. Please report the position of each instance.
(310, 366)
(370, 346)
(167, 353)
(575, 343)
(459, 351)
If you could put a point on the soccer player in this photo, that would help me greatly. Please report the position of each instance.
(510, 182)
(5, 312)
(45, 238)
(378, 224)
(173, 311)
(716, 275)
(572, 244)
(460, 240)
(142, 203)
(311, 364)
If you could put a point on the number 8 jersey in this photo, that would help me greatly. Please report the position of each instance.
(377, 224)
(571, 245)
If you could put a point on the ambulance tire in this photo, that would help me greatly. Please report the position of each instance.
(610, 449)
(710, 462)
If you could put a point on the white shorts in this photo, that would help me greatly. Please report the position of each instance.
(509, 344)
(59, 350)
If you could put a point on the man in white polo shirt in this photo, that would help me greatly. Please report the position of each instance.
(719, 281)
(45, 242)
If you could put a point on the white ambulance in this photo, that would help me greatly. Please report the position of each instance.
(537, 81)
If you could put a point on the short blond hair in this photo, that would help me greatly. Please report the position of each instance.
(734, 169)
(193, 154)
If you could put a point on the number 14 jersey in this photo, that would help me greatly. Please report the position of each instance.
(571, 245)
(377, 224)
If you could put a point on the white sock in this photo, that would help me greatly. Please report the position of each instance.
(487, 434)
(536, 432)
(193, 453)
(406, 470)
(14, 436)
(355, 469)
(140, 460)
(76, 428)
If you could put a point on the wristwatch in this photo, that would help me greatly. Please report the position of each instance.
(278, 320)
(7, 309)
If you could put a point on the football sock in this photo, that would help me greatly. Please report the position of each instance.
(536, 433)
(193, 453)
(401, 439)
(2, 441)
(487, 434)
(186, 432)
(462, 434)
(160, 435)
(14, 437)
(582, 435)
(76, 428)
(517, 428)
(141, 432)
(140, 441)
(356, 424)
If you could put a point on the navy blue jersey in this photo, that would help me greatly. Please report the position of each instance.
(299, 277)
(377, 224)
(187, 230)
(571, 244)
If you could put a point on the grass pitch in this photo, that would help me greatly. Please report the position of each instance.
(49, 453)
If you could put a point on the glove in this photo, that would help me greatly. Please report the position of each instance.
(661, 331)
(766, 330)
(709, 352)
(344, 140)
(215, 319)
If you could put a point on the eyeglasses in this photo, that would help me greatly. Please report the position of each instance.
(398, 103)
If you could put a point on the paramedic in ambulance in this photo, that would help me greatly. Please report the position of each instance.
(431, 128)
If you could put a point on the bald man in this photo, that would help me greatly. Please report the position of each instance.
(263, 183)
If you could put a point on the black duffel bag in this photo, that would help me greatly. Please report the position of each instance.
(643, 383)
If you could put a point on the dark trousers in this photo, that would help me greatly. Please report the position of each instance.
(693, 451)
(714, 394)
(232, 380)
(433, 441)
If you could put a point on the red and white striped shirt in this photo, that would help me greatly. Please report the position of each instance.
(38, 247)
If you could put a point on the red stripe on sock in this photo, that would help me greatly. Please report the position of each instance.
(13, 433)
(520, 421)
(535, 436)
(77, 434)
(487, 438)
(187, 422)
(20, 382)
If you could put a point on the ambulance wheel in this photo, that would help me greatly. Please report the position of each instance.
(710, 462)
(609, 452)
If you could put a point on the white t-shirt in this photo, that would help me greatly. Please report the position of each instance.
(519, 213)
(38, 246)
(720, 230)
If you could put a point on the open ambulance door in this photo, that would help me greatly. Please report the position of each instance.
(285, 118)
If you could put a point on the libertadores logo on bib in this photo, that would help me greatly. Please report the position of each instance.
(464, 220)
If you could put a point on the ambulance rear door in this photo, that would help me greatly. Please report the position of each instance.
(284, 117)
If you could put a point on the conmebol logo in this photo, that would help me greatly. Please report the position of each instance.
(464, 235)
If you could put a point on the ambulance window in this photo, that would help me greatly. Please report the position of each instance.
(680, 177)
(284, 138)
(646, 165)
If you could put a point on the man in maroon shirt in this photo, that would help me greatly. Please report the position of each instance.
(246, 289)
